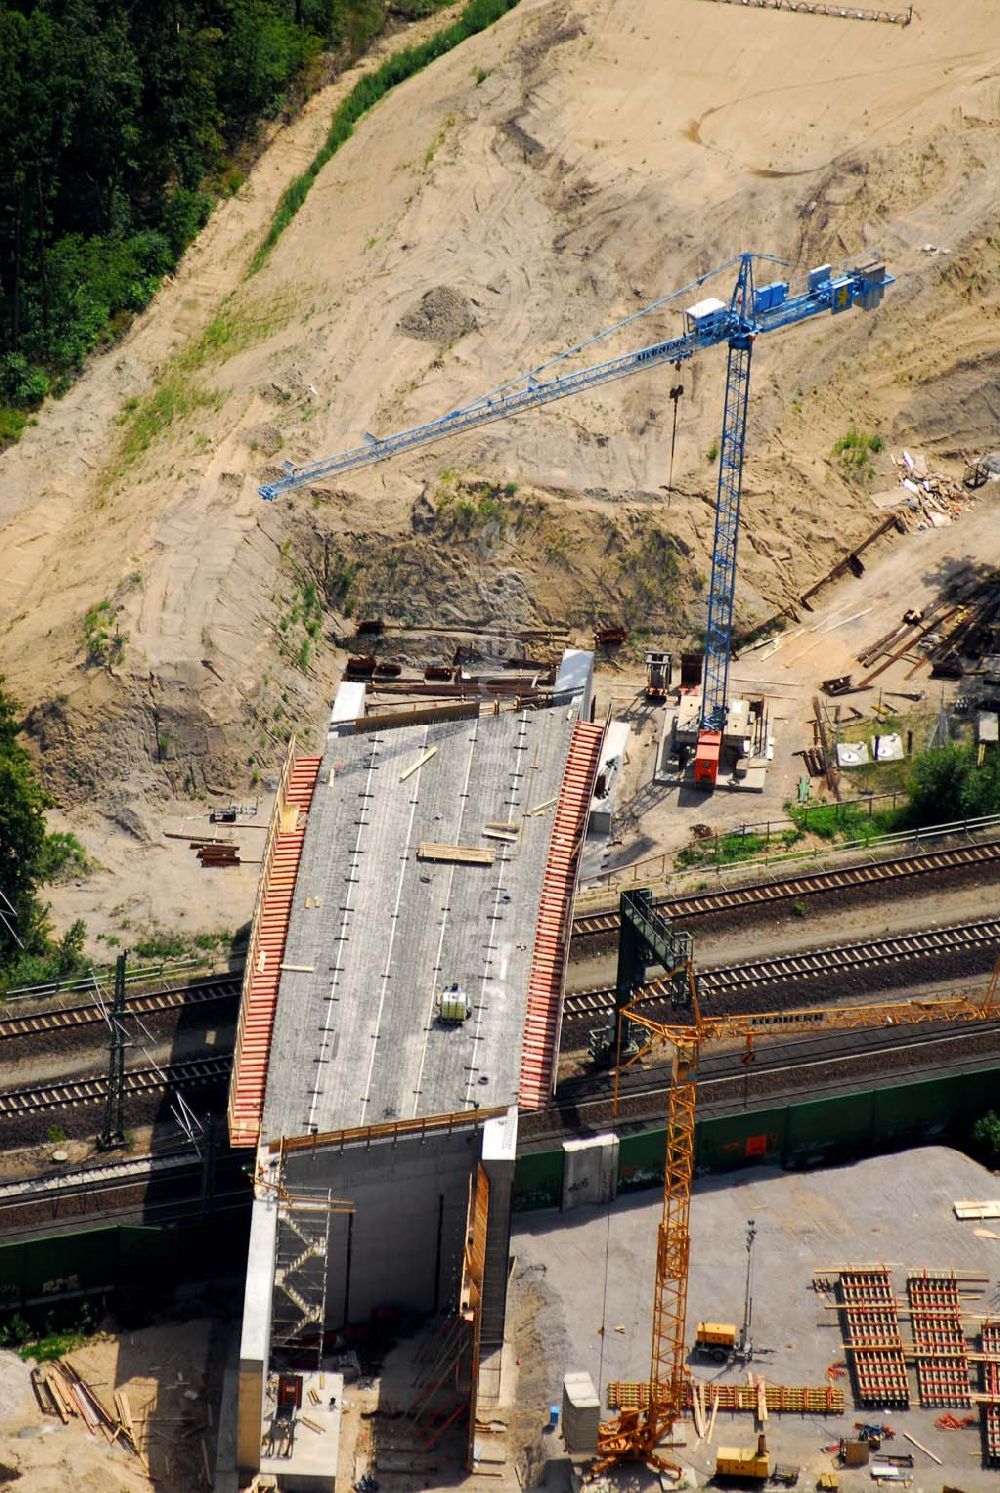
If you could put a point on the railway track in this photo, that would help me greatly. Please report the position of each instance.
(793, 1055)
(790, 1070)
(874, 873)
(148, 1003)
(72, 1092)
(837, 960)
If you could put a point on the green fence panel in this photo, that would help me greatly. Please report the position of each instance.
(815, 1133)
(538, 1180)
(640, 1160)
(828, 1130)
(748, 1139)
(11, 1274)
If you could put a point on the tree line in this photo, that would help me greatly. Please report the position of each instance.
(119, 122)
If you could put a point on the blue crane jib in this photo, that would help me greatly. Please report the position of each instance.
(750, 311)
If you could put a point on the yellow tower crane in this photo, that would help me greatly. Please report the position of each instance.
(636, 1434)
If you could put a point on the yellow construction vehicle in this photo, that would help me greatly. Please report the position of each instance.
(636, 1433)
(716, 1339)
(750, 1462)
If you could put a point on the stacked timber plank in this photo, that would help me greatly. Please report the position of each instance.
(548, 960)
(794, 1399)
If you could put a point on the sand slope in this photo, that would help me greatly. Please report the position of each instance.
(556, 173)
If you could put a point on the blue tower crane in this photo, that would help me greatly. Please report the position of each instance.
(750, 311)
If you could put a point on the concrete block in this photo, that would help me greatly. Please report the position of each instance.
(581, 1413)
(590, 1170)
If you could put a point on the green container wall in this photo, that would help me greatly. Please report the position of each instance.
(817, 1133)
(538, 1181)
(134, 1258)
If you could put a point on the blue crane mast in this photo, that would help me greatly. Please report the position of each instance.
(750, 311)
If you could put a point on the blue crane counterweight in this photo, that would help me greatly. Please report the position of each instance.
(749, 312)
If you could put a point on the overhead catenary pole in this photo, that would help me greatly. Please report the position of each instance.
(113, 1134)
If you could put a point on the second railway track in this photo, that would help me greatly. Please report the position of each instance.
(808, 965)
(842, 878)
(144, 1003)
(151, 1080)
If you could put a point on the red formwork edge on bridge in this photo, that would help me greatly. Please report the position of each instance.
(548, 960)
(262, 974)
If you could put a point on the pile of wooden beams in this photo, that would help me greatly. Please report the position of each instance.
(796, 1399)
(61, 1390)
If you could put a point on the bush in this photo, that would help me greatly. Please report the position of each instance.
(948, 784)
(161, 946)
(62, 856)
(20, 384)
(986, 1136)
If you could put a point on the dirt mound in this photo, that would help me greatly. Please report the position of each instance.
(442, 316)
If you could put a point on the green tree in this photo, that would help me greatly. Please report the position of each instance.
(986, 1135)
(22, 840)
(949, 783)
(939, 785)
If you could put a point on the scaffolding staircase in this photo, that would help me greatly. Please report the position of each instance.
(298, 1312)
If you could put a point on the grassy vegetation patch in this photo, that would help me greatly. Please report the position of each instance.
(848, 821)
(365, 94)
(64, 857)
(726, 850)
(102, 637)
(176, 398)
(233, 329)
(855, 450)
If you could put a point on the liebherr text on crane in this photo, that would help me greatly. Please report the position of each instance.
(750, 311)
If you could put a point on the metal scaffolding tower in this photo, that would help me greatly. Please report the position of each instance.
(298, 1311)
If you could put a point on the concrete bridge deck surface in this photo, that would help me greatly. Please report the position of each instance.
(376, 932)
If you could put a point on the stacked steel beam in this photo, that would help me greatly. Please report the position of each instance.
(872, 1321)
(942, 1357)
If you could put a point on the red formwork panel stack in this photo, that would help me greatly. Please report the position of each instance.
(942, 1355)
(868, 1303)
(990, 1344)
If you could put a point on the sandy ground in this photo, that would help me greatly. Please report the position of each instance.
(594, 1268)
(555, 173)
(910, 571)
(147, 881)
(172, 1383)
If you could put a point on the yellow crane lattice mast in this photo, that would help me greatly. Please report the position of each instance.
(636, 1434)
